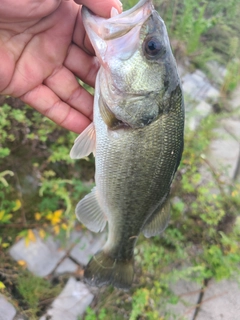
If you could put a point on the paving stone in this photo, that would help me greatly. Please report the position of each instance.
(232, 126)
(7, 310)
(188, 293)
(221, 301)
(224, 150)
(71, 303)
(193, 117)
(217, 71)
(67, 266)
(182, 69)
(235, 98)
(88, 244)
(197, 86)
(40, 256)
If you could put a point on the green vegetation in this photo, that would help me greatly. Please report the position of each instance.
(35, 292)
(40, 186)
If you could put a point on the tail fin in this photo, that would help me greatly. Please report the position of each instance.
(102, 269)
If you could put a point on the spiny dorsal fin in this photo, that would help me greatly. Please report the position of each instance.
(89, 212)
(84, 144)
(158, 221)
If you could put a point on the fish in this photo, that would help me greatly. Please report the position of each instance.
(136, 136)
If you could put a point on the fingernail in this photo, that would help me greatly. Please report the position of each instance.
(114, 12)
(119, 4)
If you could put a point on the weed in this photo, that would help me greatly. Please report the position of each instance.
(35, 293)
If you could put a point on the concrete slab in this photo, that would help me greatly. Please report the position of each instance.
(40, 256)
(7, 310)
(235, 98)
(71, 303)
(87, 245)
(221, 301)
(67, 266)
(197, 86)
(224, 150)
(232, 126)
(188, 293)
(217, 71)
(193, 117)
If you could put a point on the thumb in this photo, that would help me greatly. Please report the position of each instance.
(100, 7)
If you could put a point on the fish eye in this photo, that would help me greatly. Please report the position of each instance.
(154, 47)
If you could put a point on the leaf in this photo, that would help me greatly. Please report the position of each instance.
(5, 245)
(4, 218)
(64, 226)
(17, 205)
(2, 214)
(2, 286)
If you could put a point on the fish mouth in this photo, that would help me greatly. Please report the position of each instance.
(103, 31)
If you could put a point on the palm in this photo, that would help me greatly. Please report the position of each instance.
(42, 53)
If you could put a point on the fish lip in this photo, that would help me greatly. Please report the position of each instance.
(115, 26)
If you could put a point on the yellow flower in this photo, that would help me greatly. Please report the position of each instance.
(30, 237)
(22, 263)
(55, 217)
(58, 213)
(49, 215)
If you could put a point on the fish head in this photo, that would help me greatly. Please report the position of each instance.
(138, 70)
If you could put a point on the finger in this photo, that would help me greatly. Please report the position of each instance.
(64, 84)
(100, 7)
(45, 101)
(83, 65)
(80, 37)
(18, 11)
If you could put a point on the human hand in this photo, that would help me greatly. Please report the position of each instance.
(43, 48)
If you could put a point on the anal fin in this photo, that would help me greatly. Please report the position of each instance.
(89, 212)
(158, 220)
(84, 144)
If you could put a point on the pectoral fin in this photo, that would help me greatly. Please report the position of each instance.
(84, 144)
(158, 221)
(89, 212)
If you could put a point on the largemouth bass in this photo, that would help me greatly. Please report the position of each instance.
(136, 136)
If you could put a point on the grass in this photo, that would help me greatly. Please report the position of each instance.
(36, 293)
